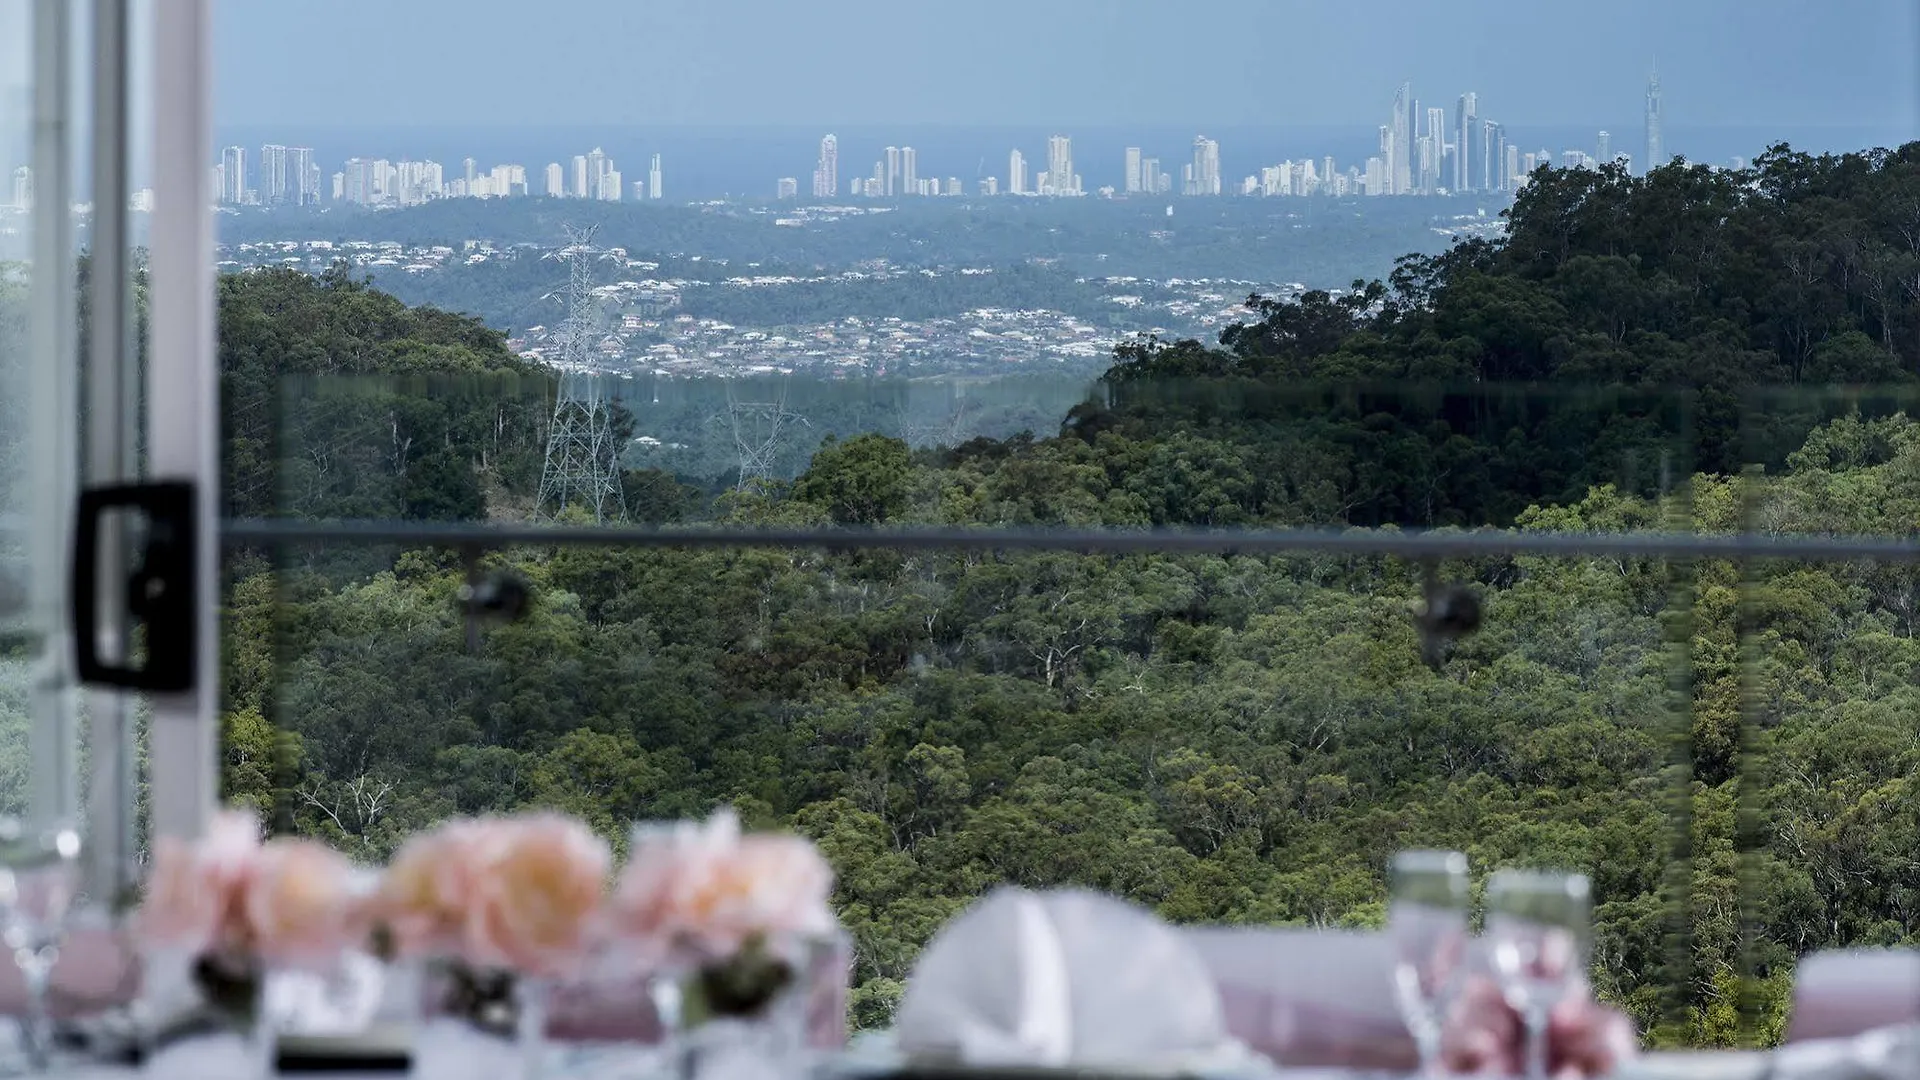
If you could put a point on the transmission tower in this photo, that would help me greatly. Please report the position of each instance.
(757, 426)
(582, 462)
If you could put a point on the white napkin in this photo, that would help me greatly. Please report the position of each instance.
(1059, 979)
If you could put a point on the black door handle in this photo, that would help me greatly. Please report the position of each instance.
(159, 592)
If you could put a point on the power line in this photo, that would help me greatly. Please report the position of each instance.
(582, 463)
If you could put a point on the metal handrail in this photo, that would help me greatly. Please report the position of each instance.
(1414, 544)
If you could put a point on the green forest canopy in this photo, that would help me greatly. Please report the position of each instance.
(1224, 738)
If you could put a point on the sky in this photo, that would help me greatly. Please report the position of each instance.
(1104, 63)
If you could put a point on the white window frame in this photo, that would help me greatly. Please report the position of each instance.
(184, 394)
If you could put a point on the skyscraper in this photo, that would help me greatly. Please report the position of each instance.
(1434, 176)
(273, 174)
(556, 181)
(1133, 170)
(1016, 173)
(1465, 153)
(1604, 151)
(1205, 176)
(786, 188)
(1060, 164)
(1655, 154)
(1399, 150)
(892, 173)
(597, 168)
(303, 176)
(653, 176)
(470, 171)
(826, 172)
(909, 172)
(233, 172)
(579, 187)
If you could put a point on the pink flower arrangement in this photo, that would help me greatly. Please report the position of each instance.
(1484, 1036)
(699, 892)
(519, 894)
(285, 901)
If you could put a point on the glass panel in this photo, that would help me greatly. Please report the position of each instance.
(20, 640)
(1825, 745)
(1232, 736)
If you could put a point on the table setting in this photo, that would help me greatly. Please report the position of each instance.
(517, 947)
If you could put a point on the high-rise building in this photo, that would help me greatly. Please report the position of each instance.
(578, 189)
(1399, 148)
(1060, 165)
(1466, 155)
(1133, 170)
(826, 171)
(233, 170)
(273, 174)
(953, 186)
(1510, 157)
(23, 189)
(1436, 149)
(1655, 152)
(1150, 175)
(786, 188)
(556, 181)
(597, 169)
(654, 178)
(1016, 173)
(909, 172)
(1605, 147)
(1203, 175)
(890, 176)
(359, 181)
(610, 184)
(989, 185)
(303, 176)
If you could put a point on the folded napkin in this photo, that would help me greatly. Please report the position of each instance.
(1308, 998)
(1840, 994)
(1885, 1054)
(1062, 979)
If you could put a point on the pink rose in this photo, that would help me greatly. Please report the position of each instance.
(533, 904)
(706, 890)
(195, 892)
(1484, 1036)
(301, 905)
(423, 896)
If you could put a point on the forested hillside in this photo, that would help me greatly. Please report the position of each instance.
(1222, 737)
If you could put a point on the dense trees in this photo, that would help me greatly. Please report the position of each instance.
(1730, 751)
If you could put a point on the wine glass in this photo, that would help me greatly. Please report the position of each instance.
(39, 878)
(1427, 921)
(1538, 923)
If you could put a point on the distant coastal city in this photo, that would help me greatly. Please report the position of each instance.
(1423, 149)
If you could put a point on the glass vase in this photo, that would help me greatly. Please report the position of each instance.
(476, 1018)
(744, 1016)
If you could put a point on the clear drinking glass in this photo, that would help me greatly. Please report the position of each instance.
(1538, 925)
(39, 878)
(1427, 921)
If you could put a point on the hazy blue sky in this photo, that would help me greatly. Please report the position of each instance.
(1088, 62)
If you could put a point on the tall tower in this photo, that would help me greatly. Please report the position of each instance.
(1016, 173)
(1465, 155)
(1605, 148)
(1400, 151)
(582, 463)
(1133, 170)
(653, 178)
(909, 172)
(826, 173)
(1654, 154)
